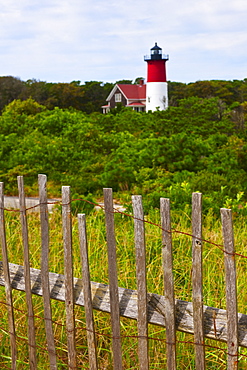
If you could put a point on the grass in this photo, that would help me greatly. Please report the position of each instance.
(213, 286)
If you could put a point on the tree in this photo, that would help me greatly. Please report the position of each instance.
(95, 95)
(10, 89)
(138, 80)
(176, 91)
(37, 90)
(123, 82)
(20, 117)
(66, 95)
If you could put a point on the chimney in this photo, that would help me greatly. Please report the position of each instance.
(141, 82)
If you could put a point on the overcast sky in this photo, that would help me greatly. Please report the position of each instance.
(66, 40)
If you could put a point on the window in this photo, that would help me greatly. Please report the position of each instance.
(139, 109)
(118, 98)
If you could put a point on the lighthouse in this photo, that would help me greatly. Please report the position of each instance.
(156, 90)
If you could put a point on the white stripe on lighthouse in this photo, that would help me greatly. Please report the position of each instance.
(156, 96)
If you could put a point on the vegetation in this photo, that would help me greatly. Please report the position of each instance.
(213, 287)
(90, 96)
(198, 145)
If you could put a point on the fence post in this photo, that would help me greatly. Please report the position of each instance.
(44, 227)
(142, 319)
(68, 276)
(7, 284)
(198, 318)
(231, 289)
(91, 339)
(168, 284)
(31, 324)
(113, 279)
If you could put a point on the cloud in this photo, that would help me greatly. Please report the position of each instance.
(76, 40)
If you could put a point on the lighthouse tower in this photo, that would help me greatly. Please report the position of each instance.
(156, 93)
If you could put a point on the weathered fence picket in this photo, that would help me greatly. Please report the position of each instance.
(168, 284)
(113, 280)
(91, 338)
(231, 289)
(29, 303)
(197, 281)
(68, 276)
(142, 318)
(8, 289)
(166, 311)
(44, 228)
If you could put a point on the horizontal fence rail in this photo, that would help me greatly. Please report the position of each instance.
(215, 320)
(165, 311)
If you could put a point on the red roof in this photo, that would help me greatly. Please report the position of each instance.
(137, 92)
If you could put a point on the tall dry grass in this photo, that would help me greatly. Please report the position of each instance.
(213, 285)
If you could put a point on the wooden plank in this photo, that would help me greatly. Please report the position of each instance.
(68, 276)
(113, 279)
(168, 283)
(8, 289)
(215, 319)
(44, 225)
(197, 281)
(29, 303)
(142, 318)
(231, 289)
(91, 339)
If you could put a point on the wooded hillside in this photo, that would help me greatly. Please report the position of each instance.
(198, 144)
(90, 96)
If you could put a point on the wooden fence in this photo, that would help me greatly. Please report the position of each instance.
(147, 308)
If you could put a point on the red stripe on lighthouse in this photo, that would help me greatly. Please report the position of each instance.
(156, 71)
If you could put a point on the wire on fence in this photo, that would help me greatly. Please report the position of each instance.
(115, 210)
(109, 336)
(64, 359)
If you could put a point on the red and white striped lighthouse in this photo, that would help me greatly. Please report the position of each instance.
(157, 91)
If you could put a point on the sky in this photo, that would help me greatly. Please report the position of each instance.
(83, 40)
